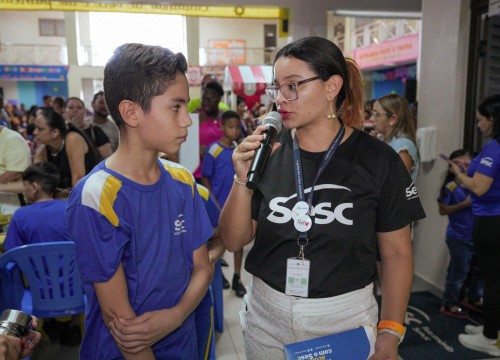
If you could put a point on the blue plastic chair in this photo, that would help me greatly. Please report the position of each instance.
(54, 288)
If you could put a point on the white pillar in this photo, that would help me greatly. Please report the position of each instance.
(442, 96)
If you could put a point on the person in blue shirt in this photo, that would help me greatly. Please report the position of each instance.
(43, 220)
(139, 225)
(454, 201)
(217, 175)
(205, 313)
(483, 181)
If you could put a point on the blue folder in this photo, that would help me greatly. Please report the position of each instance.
(356, 344)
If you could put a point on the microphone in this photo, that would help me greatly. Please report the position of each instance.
(259, 162)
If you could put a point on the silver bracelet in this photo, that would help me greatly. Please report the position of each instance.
(393, 332)
(239, 182)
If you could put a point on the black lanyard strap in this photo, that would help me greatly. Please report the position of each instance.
(299, 178)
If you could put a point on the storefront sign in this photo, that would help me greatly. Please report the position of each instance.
(33, 72)
(224, 52)
(389, 53)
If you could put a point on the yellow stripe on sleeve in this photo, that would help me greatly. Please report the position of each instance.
(100, 192)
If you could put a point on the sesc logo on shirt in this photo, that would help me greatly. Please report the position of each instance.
(411, 192)
(487, 161)
(323, 213)
(179, 225)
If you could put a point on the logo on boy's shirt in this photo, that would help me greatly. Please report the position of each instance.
(179, 225)
(487, 161)
(411, 192)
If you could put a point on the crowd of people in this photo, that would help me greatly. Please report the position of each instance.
(331, 214)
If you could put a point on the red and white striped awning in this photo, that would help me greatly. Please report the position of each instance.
(247, 79)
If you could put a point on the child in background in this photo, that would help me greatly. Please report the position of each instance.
(139, 225)
(217, 176)
(454, 201)
(41, 221)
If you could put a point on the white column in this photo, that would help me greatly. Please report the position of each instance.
(441, 92)
(193, 40)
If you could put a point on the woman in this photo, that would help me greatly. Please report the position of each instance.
(483, 180)
(74, 109)
(395, 123)
(359, 197)
(64, 146)
(209, 120)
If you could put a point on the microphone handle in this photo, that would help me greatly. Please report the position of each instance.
(259, 161)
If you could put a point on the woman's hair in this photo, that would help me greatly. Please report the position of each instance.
(43, 173)
(138, 73)
(398, 105)
(54, 120)
(490, 108)
(449, 175)
(325, 59)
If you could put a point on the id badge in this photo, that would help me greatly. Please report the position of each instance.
(297, 277)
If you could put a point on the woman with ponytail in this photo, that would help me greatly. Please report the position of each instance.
(330, 192)
(483, 181)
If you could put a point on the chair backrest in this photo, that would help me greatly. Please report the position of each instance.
(52, 276)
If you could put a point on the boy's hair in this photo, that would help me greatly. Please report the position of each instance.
(138, 72)
(449, 175)
(43, 173)
(229, 115)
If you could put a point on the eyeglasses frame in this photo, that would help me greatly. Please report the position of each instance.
(297, 84)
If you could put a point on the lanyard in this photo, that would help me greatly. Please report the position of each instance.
(299, 178)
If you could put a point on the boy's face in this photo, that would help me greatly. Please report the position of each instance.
(164, 127)
(232, 129)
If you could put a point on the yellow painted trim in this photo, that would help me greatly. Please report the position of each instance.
(245, 12)
(284, 16)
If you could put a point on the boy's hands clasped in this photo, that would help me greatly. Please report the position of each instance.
(134, 335)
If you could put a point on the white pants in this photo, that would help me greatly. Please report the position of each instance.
(271, 319)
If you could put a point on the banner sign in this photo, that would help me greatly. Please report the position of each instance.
(399, 73)
(33, 72)
(388, 53)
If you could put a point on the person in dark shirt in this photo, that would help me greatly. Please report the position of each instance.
(329, 194)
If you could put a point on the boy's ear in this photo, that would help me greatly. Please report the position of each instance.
(128, 111)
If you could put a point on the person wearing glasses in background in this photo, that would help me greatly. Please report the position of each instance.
(394, 122)
(330, 192)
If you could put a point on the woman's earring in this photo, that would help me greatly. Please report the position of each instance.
(332, 114)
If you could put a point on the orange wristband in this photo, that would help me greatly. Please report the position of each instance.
(392, 325)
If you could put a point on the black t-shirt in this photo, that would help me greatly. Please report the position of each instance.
(61, 161)
(364, 189)
(97, 135)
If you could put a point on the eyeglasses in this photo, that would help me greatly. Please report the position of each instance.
(376, 114)
(289, 90)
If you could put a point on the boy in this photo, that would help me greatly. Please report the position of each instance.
(217, 175)
(42, 221)
(140, 226)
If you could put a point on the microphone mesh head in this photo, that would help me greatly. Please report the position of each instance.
(274, 119)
